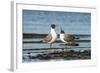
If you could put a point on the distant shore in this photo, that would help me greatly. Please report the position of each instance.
(36, 35)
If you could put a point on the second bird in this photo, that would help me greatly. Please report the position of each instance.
(67, 39)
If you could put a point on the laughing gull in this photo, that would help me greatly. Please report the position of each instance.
(52, 36)
(67, 39)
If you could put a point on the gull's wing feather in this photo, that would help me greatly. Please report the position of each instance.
(69, 38)
(48, 38)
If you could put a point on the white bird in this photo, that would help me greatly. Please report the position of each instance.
(67, 39)
(52, 36)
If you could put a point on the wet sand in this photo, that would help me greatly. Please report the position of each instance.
(57, 55)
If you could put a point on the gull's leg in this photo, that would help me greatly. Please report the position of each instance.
(50, 47)
(65, 46)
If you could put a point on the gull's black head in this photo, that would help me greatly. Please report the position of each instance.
(53, 26)
(62, 31)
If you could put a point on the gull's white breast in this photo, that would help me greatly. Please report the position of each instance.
(62, 36)
(54, 36)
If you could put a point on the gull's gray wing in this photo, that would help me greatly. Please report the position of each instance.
(48, 38)
(69, 38)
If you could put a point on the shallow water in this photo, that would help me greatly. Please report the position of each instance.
(39, 48)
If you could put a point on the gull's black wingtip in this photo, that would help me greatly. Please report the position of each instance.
(77, 38)
(41, 41)
(76, 44)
